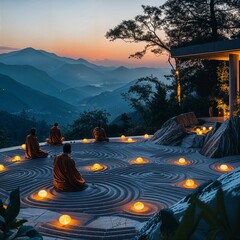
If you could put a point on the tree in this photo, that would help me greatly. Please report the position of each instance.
(84, 125)
(181, 23)
(148, 97)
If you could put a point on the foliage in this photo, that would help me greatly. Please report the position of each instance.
(148, 96)
(10, 226)
(84, 125)
(222, 98)
(143, 28)
(213, 217)
(14, 129)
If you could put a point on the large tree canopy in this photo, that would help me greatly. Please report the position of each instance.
(147, 28)
(197, 21)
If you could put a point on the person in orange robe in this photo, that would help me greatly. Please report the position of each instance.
(55, 137)
(99, 134)
(32, 146)
(66, 177)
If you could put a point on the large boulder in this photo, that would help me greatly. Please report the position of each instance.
(173, 130)
(224, 140)
(226, 203)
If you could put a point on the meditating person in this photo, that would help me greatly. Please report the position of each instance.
(55, 137)
(32, 146)
(66, 177)
(99, 134)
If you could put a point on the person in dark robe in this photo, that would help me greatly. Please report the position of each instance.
(66, 177)
(55, 137)
(99, 134)
(32, 146)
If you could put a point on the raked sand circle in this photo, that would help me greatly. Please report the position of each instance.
(104, 210)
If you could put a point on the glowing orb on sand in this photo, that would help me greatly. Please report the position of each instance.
(204, 128)
(16, 159)
(138, 206)
(182, 160)
(1, 167)
(42, 193)
(200, 132)
(85, 140)
(23, 146)
(65, 219)
(139, 160)
(189, 183)
(96, 167)
(123, 137)
(146, 136)
(130, 140)
(210, 128)
(225, 168)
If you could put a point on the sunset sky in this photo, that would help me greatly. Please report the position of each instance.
(73, 28)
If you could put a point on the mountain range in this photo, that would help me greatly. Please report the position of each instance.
(55, 85)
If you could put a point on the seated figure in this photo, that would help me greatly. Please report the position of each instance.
(99, 134)
(66, 177)
(32, 146)
(55, 137)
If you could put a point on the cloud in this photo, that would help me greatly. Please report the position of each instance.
(7, 49)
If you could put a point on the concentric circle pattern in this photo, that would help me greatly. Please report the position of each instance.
(110, 192)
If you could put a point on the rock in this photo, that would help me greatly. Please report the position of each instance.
(173, 130)
(206, 193)
(171, 135)
(224, 140)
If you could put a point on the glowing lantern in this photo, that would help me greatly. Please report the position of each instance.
(65, 219)
(200, 132)
(96, 167)
(210, 128)
(16, 159)
(123, 137)
(139, 160)
(182, 160)
(130, 140)
(85, 140)
(189, 183)
(42, 193)
(23, 147)
(1, 167)
(223, 167)
(204, 128)
(138, 206)
(146, 136)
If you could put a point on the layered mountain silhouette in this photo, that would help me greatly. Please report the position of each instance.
(57, 85)
(15, 97)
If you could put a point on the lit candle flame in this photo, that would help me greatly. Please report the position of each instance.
(130, 140)
(85, 140)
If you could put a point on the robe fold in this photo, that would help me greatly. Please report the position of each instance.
(99, 134)
(55, 137)
(66, 176)
(32, 148)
